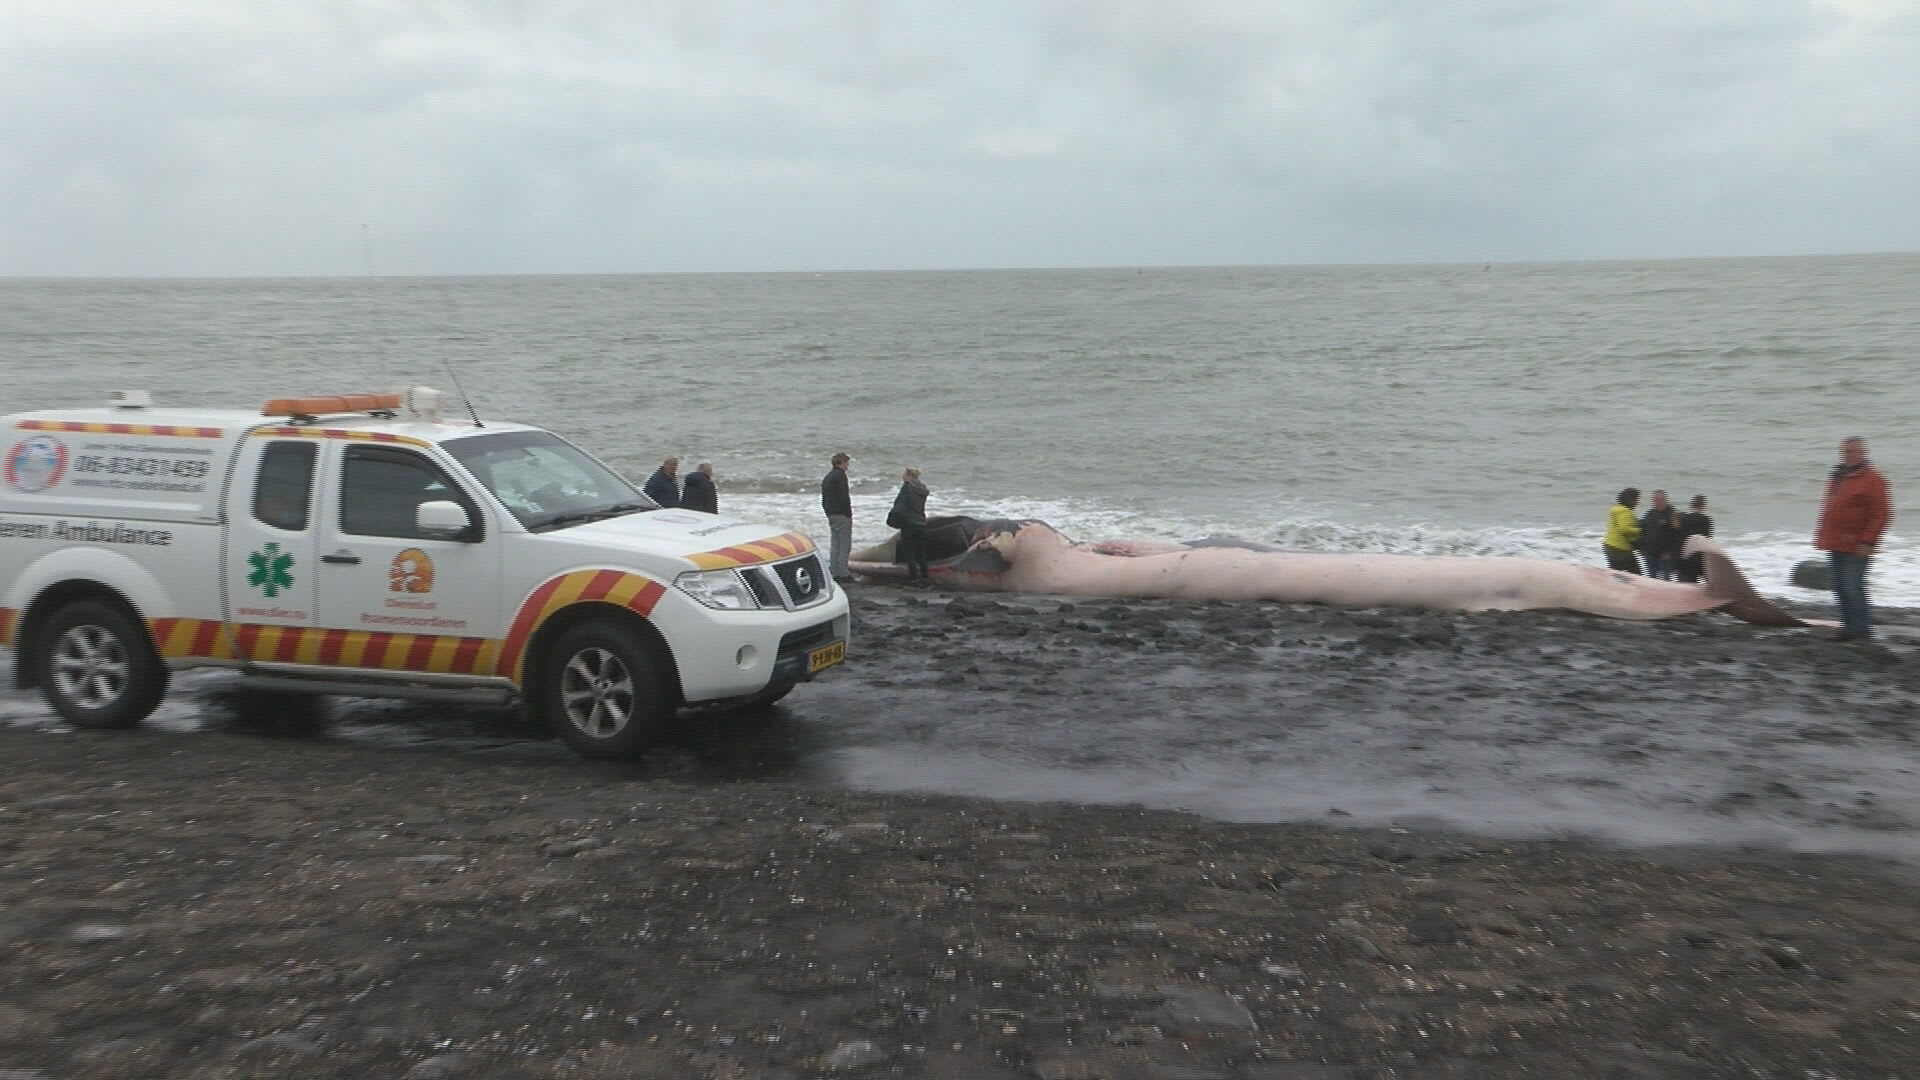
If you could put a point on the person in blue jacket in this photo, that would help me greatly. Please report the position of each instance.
(661, 487)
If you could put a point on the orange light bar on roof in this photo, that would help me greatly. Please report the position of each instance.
(323, 406)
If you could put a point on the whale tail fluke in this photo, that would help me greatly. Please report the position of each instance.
(1726, 583)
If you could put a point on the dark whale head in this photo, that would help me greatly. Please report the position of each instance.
(954, 556)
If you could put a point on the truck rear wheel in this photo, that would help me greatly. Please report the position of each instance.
(605, 696)
(97, 668)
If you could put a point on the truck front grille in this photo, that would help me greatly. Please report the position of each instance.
(804, 580)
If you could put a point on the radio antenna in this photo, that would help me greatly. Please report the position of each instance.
(464, 399)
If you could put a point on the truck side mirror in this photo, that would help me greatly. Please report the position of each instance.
(443, 520)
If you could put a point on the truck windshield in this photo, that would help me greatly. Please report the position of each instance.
(545, 481)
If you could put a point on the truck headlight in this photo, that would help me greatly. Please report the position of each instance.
(717, 589)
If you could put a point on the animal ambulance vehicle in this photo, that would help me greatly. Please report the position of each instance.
(362, 545)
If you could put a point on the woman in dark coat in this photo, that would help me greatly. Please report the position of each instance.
(909, 515)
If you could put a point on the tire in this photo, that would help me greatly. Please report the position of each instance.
(604, 692)
(97, 668)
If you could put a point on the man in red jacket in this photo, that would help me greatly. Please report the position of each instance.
(1853, 517)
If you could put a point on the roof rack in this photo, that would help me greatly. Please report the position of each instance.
(309, 410)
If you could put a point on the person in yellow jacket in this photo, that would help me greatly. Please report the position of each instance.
(1622, 531)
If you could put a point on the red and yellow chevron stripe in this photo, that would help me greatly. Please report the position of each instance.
(6, 627)
(180, 638)
(339, 433)
(177, 638)
(784, 546)
(179, 431)
(367, 649)
(175, 431)
(630, 591)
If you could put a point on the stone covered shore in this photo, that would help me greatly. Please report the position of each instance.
(216, 905)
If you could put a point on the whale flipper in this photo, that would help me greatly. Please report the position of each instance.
(1726, 582)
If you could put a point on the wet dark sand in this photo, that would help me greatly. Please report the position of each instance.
(195, 900)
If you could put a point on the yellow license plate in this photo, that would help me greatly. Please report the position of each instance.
(824, 658)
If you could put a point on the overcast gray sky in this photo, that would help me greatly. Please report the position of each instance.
(191, 137)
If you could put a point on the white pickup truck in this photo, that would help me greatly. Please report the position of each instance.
(361, 545)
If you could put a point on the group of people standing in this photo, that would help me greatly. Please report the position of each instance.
(664, 487)
(1659, 536)
(1855, 512)
(909, 515)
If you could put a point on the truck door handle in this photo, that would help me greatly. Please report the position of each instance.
(346, 559)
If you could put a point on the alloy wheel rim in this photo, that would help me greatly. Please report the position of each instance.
(596, 693)
(90, 666)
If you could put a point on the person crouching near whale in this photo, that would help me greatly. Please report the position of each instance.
(1623, 532)
(909, 515)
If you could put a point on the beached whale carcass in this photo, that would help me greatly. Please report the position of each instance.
(1006, 555)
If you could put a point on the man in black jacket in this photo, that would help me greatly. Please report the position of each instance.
(699, 492)
(1694, 522)
(909, 515)
(1660, 538)
(837, 504)
(661, 487)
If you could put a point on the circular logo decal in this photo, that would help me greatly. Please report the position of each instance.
(36, 464)
(411, 571)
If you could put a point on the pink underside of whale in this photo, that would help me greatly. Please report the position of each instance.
(1042, 561)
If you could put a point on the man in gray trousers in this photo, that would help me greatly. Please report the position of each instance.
(838, 505)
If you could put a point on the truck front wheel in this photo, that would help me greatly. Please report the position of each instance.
(604, 692)
(97, 668)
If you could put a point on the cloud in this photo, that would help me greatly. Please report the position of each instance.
(1876, 11)
(1015, 145)
(237, 138)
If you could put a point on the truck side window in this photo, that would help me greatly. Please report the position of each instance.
(283, 489)
(384, 488)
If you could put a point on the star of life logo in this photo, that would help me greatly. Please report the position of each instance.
(272, 570)
(36, 464)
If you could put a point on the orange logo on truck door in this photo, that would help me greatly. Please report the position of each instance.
(411, 572)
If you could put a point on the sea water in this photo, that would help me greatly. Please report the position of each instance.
(1448, 409)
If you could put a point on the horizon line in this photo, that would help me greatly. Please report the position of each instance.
(1408, 264)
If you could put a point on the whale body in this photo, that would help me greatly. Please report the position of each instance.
(1029, 556)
